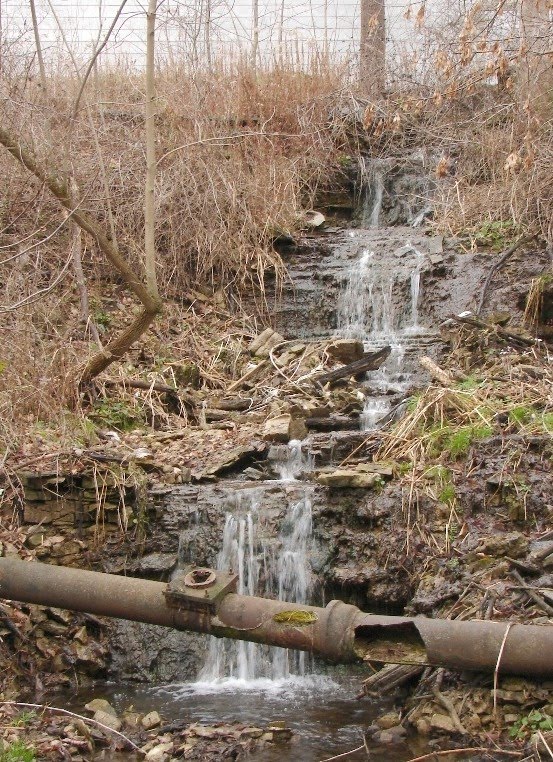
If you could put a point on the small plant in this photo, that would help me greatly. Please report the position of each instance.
(18, 751)
(533, 721)
(468, 384)
(412, 403)
(522, 415)
(459, 441)
(24, 719)
(403, 468)
(102, 319)
(494, 234)
(447, 495)
(116, 414)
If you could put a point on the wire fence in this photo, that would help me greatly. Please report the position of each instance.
(197, 32)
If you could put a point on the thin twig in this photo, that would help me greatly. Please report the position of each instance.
(498, 265)
(496, 670)
(467, 750)
(46, 708)
(95, 57)
(544, 742)
(449, 707)
(345, 754)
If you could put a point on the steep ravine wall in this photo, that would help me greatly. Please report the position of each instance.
(360, 552)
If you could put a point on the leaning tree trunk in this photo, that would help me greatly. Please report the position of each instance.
(151, 302)
(147, 292)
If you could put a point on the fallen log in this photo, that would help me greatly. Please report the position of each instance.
(333, 423)
(389, 678)
(233, 403)
(369, 361)
(510, 336)
(203, 600)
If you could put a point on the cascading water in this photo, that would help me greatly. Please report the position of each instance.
(369, 309)
(373, 177)
(290, 460)
(265, 567)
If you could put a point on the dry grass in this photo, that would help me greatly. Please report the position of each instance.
(240, 155)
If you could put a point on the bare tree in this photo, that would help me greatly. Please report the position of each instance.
(38, 47)
(64, 190)
(149, 185)
(255, 32)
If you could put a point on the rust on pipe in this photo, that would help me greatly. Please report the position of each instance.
(339, 631)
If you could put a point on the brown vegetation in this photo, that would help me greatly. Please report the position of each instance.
(241, 151)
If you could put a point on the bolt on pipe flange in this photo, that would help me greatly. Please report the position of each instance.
(200, 578)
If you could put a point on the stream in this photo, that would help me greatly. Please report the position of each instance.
(268, 531)
(320, 709)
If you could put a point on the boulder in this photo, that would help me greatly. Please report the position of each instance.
(363, 476)
(283, 428)
(344, 477)
(346, 350)
(151, 720)
(100, 705)
(442, 722)
(262, 344)
(107, 719)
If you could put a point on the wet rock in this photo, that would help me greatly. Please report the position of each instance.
(230, 459)
(364, 476)
(108, 719)
(393, 734)
(347, 478)
(423, 726)
(91, 658)
(100, 705)
(346, 350)
(283, 428)
(160, 753)
(150, 720)
(389, 720)
(267, 340)
(36, 536)
(53, 628)
(131, 719)
(157, 563)
(512, 544)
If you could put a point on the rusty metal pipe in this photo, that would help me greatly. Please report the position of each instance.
(339, 632)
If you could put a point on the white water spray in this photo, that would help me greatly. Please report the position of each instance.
(369, 309)
(265, 567)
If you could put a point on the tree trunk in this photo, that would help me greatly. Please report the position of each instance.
(151, 302)
(372, 50)
(149, 185)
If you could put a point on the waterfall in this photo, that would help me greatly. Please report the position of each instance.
(265, 567)
(415, 290)
(365, 307)
(290, 460)
(370, 308)
(373, 176)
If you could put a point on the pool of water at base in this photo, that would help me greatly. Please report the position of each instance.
(322, 711)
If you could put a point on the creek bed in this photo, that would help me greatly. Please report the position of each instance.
(322, 712)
